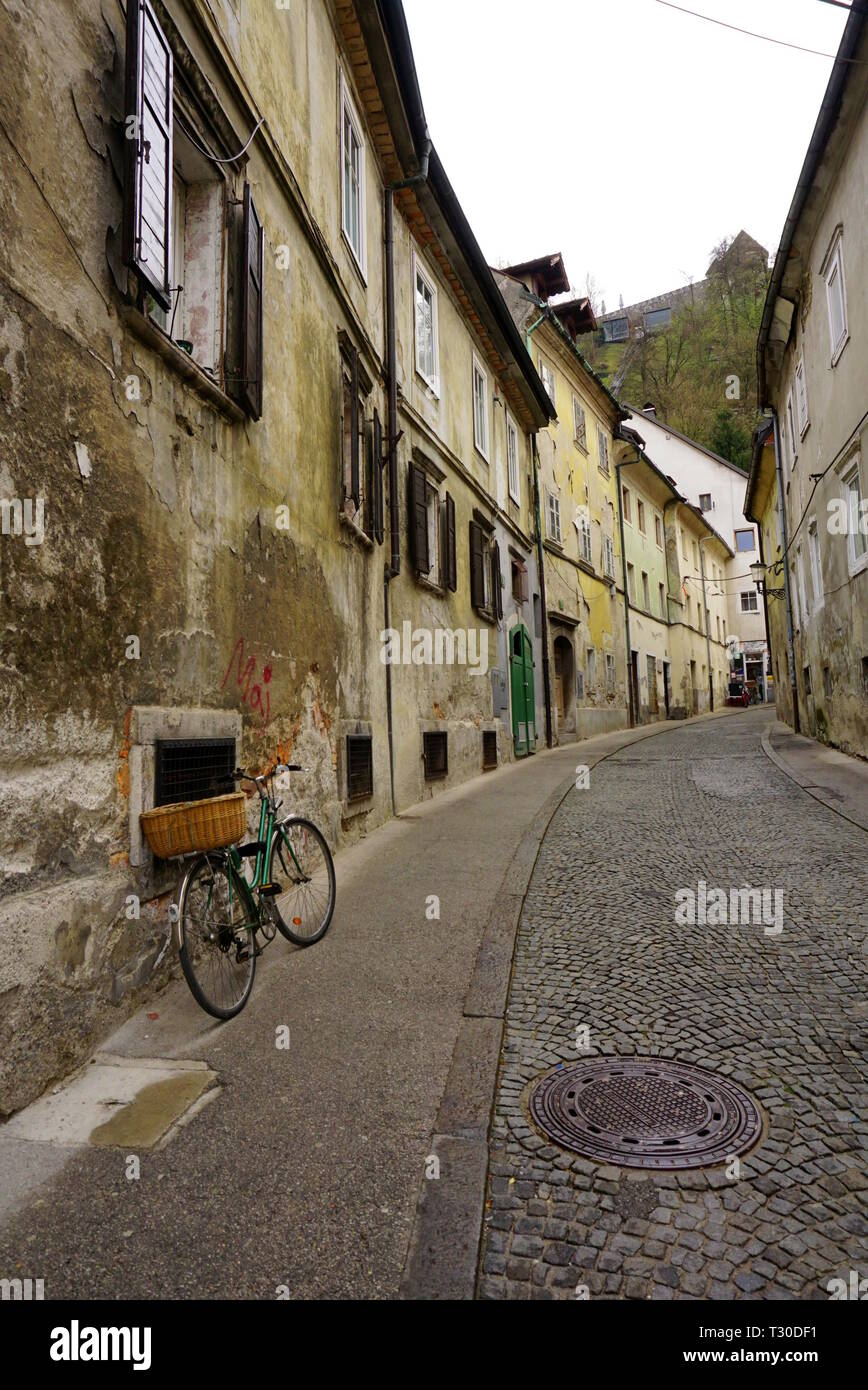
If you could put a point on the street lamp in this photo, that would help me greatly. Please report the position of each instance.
(758, 572)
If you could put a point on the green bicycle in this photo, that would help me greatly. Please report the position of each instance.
(220, 913)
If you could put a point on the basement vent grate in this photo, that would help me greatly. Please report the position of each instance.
(435, 754)
(193, 769)
(360, 767)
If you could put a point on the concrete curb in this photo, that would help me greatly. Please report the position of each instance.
(443, 1254)
(813, 789)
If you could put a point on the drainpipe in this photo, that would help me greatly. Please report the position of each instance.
(791, 654)
(630, 694)
(393, 568)
(546, 665)
(702, 541)
(768, 651)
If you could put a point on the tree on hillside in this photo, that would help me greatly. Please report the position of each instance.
(730, 438)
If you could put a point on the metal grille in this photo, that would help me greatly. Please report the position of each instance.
(193, 769)
(434, 752)
(489, 749)
(360, 767)
(645, 1113)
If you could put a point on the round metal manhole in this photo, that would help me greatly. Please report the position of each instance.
(645, 1113)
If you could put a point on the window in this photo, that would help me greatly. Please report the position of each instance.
(815, 565)
(427, 329)
(432, 531)
(548, 380)
(800, 574)
(631, 582)
(646, 593)
(684, 545)
(745, 542)
(360, 768)
(609, 557)
(610, 672)
(512, 459)
(616, 330)
(486, 583)
(795, 597)
(836, 300)
(748, 600)
(584, 528)
(175, 215)
(827, 682)
(352, 177)
(661, 588)
(435, 755)
(657, 318)
(554, 518)
(808, 685)
(353, 422)
(705, 501)
(625, 493)
(640, 515)
(695, 557)
(580, 425)
(658, 531)
(591, 667)
(791, 430)
(802, 398)
(603, 449)
(857, 541)
(518, 573)
(480, 409)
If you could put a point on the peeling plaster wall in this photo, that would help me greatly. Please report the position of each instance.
(162, 514)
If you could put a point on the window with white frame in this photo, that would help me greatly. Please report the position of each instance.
(857, 518)
(800, 573)
(640, 514)
(815, 566)
(646, 593)
(745, 542)
(794, 594)
(352, 177)
(591, 667)
(480, 408)
(802, 397)
(603, 449)
(583, 525)
(548, 380)
(836, 299)
(625, 495)
(512, 459)
(609, 557)
(661, 589)
(610, 672)
(748, 601)
(791, 430)
(427, 327)
(554, 517)
(658, 531)
(631, 582)
(580, 425)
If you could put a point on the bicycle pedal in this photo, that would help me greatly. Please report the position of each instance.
(270, 890)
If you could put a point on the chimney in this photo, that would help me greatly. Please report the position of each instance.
(650, 410)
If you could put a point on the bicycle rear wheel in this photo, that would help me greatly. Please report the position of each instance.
(302, 868)
(217, 937)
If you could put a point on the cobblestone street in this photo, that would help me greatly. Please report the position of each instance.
(783, 1015)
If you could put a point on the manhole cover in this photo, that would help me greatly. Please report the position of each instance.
(645, 1113)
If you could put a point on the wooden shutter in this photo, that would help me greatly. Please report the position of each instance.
(147, 226)
(522, 584)
(451, 573)
(378, 463)
(477, 565)
(252, 266)
(355, 492)
(419, 520)
(496, 581)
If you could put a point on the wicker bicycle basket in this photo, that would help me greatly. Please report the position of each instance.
(195, 825)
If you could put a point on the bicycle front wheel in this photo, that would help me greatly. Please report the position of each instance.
(302, 868)
(217, 937)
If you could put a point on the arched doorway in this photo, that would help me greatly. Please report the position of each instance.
(565, 685)
(521, 685)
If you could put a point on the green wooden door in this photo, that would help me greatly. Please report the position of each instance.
(521, 684)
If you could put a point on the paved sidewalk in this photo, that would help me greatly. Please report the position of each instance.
(786, 1016)
(306, 1168)
(839, 781)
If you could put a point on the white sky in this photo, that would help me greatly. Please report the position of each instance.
(628, 136)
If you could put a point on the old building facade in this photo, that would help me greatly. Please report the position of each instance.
(578, 504)
(811, 356)
(267, 433)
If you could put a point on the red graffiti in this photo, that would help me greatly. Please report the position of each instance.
(254, 694)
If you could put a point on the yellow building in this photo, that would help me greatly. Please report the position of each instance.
(584, 622)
